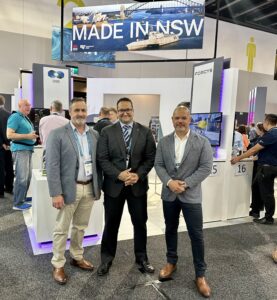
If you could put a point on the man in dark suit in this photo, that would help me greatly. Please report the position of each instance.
(126, 153)
(6, 164)
(103, 119)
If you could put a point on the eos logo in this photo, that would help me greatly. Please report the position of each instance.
(197, 73)
(56, 74)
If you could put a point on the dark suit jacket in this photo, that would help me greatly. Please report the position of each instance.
(102, 124)
(4, 115)
(111, 155)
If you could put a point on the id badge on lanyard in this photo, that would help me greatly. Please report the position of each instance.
(88, 166)
(127, 160)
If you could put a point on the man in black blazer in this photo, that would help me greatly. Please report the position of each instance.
(6, 164)
(126, 153)
(103, 119)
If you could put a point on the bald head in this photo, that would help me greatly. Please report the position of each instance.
(181, 108)
(24, 106)
(2, 100)
(181, 120)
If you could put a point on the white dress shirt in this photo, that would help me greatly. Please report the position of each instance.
(180, 146)
(83, 151)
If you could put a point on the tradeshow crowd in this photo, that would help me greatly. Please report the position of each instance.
(116, 157)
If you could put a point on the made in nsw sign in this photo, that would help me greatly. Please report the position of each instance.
(139, 26)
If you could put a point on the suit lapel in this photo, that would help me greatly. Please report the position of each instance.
(72, 138)
(134, 136)
(119, 137)
(171, 147)
(188, 147)
(92, 141)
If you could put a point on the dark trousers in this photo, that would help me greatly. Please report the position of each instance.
(137, 207)
(266, 186)
(256, 200)
(6, 171)
(194, 220)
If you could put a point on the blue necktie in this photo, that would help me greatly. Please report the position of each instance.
(126, 134)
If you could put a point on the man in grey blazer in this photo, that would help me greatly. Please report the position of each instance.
(183, 160)
(74, 183)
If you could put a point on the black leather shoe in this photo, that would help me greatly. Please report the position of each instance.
(254, 215)
(145, 266)
(264, 221)
(104, 268)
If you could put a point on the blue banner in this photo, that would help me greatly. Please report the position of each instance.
(139, 26)
(78, 56)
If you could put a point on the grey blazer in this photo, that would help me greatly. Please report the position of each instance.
(195, 166)
(62, 163)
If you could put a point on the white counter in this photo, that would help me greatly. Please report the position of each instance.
(227, 191)
(44, 215)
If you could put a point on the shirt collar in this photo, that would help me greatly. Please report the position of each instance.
(75, 129)
(130, 124)
(20, 113)
(185, 138)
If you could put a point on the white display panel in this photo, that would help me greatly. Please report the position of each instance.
(202, 88)
(55, 86)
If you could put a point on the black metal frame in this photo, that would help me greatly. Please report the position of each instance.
(138, 61)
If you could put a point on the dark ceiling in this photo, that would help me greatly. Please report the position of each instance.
(257, 14)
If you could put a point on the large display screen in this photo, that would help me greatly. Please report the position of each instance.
(37, 113)
(208, 125)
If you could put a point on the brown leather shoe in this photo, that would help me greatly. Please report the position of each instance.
(203, 287)
(167, 271)
(59, 275)
(82, 264)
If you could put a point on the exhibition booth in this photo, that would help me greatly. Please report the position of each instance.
(226, 192)
(213, 91)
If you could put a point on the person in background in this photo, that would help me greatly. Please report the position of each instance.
(183, 160)
(21, 131)
(104, 120)
(184, 103)
(49, 123)
(267, 166)
(245, 140)
(74, 183)
(126, 153)
(113, 115)
(6, 163)
(252, 132)
(256, 200)
(238, 143)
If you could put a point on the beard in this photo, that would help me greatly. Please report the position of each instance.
(79, 121)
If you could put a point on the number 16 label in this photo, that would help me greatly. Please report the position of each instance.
(240, 169)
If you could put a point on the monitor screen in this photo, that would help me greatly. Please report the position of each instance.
(208, 125)
(36, 114)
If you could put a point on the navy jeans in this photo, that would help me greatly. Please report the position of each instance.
(23, 174)
(194, 220)
(266, 186)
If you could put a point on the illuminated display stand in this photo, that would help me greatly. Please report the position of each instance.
(227, 191)
(44, 214)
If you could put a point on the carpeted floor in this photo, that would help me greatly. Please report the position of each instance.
(238, 258)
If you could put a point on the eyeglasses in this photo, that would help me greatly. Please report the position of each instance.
(127, 110)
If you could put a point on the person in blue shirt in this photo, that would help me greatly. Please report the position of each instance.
(21, 131)
(267, 166)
